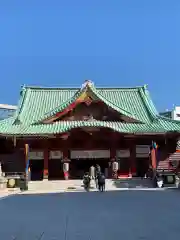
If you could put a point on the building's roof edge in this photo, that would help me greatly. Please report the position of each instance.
(76, 88)
(7, 106)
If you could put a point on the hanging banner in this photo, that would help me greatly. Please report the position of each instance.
(55, 155)
(123, 153)
(90, 154)
(27, 157)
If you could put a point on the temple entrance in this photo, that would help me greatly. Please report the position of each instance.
(82, 160)
(124, 167)
(142, 166)
(79, 166)
(142, 160)
(123, 158)
(36, 169)
(55, 170)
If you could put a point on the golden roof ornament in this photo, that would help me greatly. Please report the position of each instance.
(87, 83)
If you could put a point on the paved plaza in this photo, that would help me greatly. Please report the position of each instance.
(93, 215)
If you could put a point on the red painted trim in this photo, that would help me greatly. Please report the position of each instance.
(46, 159)
(69, 108)
(133, 163)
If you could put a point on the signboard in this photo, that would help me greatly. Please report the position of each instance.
(123, 153)
(55, 155)
(36, 155)
(90, 154)
(142, 151)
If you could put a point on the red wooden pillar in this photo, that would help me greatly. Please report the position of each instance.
(113, 149)
(65, 153)
(113, 153)
(46, 159)
(133, 158)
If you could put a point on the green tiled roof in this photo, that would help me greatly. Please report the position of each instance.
(98, 95)
(37, 104)
(161, 126)
(64, 126)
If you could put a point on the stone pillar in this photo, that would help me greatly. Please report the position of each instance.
(46, 160)
(66, 168)
(115, 167)
(3, 181)
(112, 159)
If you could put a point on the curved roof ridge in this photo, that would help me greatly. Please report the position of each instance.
(76, 88)
(20, 105)
(168, 119)
(148, 103)
(50, 88)
(61, 127)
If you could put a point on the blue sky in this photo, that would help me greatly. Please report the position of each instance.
(112, 42)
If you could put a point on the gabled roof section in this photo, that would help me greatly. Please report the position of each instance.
(79, 96)
(37, 104)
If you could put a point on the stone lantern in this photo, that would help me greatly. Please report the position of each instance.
(3, 180)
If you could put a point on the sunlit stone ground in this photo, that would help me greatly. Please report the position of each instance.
(110, 215)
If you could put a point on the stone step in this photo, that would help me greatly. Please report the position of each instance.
(78, 184)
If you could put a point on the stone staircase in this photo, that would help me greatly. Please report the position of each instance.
(55, 186)
(132, 183)
(46, 186)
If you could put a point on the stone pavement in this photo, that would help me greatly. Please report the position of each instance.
(40, 187)
(8, 192)
(132, 215)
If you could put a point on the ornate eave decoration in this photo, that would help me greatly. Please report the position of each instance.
(87, 83)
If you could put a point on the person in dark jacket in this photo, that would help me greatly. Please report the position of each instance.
(101, 182)
(98, 168)
(86, 181)
(98, 173)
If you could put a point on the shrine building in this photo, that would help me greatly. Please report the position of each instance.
(86, 126)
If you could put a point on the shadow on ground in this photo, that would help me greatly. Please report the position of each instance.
(132, 183)
(91, 215)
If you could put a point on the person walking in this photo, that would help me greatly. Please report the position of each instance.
(101, 182)
(86, 181)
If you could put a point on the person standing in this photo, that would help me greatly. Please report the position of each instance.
(92, 172)
(101, 182)
(98, 173)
